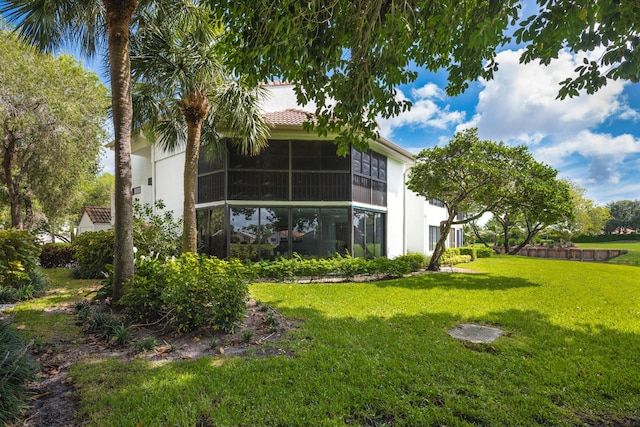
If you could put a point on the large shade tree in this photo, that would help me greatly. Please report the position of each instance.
(87, 25)
(52, 115)
(184, 97)
(535, 199)
(469, 176)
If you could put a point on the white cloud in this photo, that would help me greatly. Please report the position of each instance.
(424, 113)
(605, 154)
(521, 100)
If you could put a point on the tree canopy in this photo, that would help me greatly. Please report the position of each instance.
(349, 56)
(52, 117)
(534, 199)
(468, 175)
(625, 216)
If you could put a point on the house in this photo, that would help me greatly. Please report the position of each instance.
(297, 195)
(94, 218)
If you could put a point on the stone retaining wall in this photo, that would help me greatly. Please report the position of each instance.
(574, 254)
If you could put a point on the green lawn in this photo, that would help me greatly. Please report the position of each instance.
(46, 320)
(377, 354)
(631, 258)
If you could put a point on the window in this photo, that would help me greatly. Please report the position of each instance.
(436, 202)
(434, 236)
(369, 177)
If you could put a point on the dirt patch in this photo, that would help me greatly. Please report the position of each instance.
(53, 400)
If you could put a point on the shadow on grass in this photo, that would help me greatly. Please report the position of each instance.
(471, 281)
(403, 370)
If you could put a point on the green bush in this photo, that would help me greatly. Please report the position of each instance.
(156, 233)
(416, 261)
(471, 251)
(191, 291)
(385, 267)
(483, 252)
(605, 238)
(32, 286)
(15, 371)
(55, 255)
(452, 256)
(93, 252)
(18, 257)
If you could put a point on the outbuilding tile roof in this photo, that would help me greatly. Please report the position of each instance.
(290, 117)
(98, 215)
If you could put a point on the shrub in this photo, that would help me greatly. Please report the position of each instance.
(469, 250)
(156, 233)
(55, 255)
(190, 291)
(483, 252)
(416, 261)
(18, 257)
(385, 267)
(452, 256)
(93, 252)
(15, 371)
(605, 238)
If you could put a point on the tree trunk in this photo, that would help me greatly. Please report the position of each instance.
(445, 228)
(505, 234)
(531, 234)
(118, 16)
(13, 188)
(195, 108)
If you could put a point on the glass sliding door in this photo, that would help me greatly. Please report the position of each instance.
(368, 234)
(211, 232)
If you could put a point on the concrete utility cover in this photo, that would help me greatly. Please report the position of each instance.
(475, 333)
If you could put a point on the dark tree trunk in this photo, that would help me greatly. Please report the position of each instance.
(445, 227)
(118, 16)
(13, 187)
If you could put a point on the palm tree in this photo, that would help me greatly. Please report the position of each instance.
(53, 23)
(183, 95)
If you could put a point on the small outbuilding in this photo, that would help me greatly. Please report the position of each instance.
(94, 218)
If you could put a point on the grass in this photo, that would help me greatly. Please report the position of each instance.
(630, 258)
(45, 320)
(377, 354)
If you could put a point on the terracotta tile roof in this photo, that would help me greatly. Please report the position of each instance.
(98, 215)
(290, 117)
(276, 83)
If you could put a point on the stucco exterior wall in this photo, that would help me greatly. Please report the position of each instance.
(85, 224)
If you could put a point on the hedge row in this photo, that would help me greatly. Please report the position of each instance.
(605, 238)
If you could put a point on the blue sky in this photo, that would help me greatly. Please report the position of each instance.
(593, 140)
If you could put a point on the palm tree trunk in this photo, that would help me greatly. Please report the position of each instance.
(195, 108)
(189, 233)
(119, 15)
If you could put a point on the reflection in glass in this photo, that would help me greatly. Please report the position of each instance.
(244, 226)
(368, 234)
(274, 233)
(305, 233)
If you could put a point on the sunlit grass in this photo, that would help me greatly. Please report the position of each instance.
(49, 320)
(379, 354)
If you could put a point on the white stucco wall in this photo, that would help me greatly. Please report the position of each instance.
(85, 224)
(169, 182)
(395, 208)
